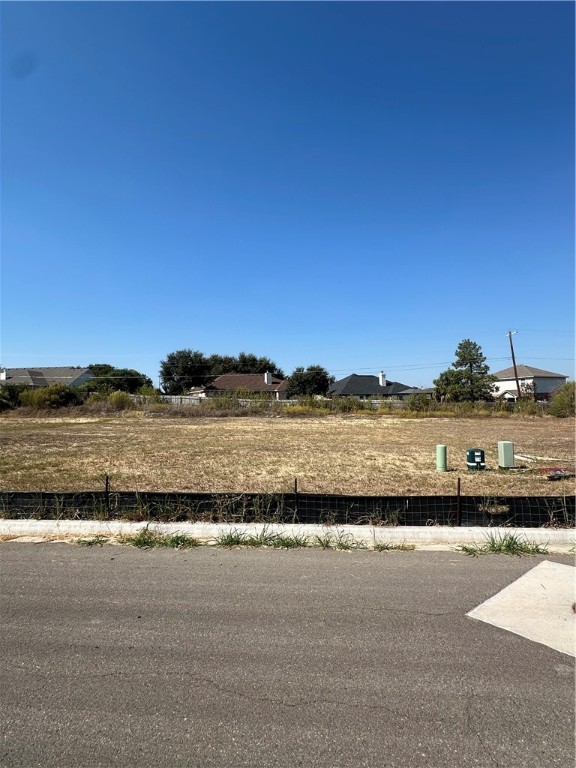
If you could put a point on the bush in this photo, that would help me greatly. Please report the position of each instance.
(120, 401)
(223, 402)
(563, 403)
(10, 395)
(54, 396)
(348, 405)
(420, 402)
(528, 408)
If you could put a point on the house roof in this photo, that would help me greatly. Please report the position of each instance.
(43, 377)
(361, 385)
(251, 382)
(418, 391)
(527, 372)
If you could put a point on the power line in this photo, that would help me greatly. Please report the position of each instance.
(545, 330)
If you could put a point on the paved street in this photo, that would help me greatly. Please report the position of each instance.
(223, 659)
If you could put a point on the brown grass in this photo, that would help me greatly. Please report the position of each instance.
(380, 455)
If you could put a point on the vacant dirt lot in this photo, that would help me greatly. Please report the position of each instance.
(350, 455)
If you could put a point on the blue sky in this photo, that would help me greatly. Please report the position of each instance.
(355, 185)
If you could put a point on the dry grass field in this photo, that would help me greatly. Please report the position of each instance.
(372, 455)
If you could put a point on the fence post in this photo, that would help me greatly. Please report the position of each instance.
(107, 493)
(296, 498)
(458, 506)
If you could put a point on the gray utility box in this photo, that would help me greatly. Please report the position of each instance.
(505, 454)
(475, 459)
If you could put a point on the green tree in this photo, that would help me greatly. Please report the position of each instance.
(249, 363)
(182, 370)
(188, 368)
(469, 379)
(107, 378)
(129, 380)
(563, 403)
(220, 364)
(314, 380)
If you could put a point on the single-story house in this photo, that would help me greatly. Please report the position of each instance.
(71, 376)
(251, 383)
(538, 382)
(368, 387)
(429, 392)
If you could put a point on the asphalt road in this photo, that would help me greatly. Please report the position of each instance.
(223, 659)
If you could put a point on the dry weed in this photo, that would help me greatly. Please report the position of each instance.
(350, 455)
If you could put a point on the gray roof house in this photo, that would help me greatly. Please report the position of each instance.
(542, 383)
(43, 377)
(368, 387)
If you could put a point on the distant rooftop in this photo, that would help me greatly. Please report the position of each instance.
(527, 372)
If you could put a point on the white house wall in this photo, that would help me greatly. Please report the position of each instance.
(543, 384)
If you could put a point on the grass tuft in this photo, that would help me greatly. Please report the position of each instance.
(508, 543)
(291, 541)
(231, 538)
(149, 539)
(388, 546)
(93, 541)
(337, 540)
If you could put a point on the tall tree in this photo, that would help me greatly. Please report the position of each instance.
(188, 368)
(469, 379)
(314, 380)
(249, 363)
(107, 378)
(182, 370)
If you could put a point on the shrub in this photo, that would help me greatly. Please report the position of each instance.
(305, 410)
(54, 396)
(10, 395)
(120, 401)
(420, 402)
(562, 404)
(348, 405)
(528, 408)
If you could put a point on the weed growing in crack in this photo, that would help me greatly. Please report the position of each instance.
(93, 541)
(337, 540)
(149, 539)
(232, 538)
(507, 543)
(291, 541)
(388, 546)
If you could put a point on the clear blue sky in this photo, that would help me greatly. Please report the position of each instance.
(355, 185)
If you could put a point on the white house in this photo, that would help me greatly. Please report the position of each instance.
(541, 384)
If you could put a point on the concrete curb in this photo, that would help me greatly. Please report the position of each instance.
(422, 537)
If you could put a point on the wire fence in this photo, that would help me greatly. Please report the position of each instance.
(328, 509)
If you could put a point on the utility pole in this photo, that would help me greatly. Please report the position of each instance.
(514, 363)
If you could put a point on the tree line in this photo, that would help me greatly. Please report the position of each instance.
(187, 368)
(467, 380)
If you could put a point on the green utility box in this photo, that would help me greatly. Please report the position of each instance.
(475, 459)
(505, 454)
